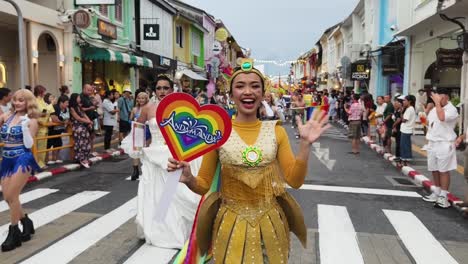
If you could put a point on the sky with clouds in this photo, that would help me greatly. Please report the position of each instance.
(277, 29)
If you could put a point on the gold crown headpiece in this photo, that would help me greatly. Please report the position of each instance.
(164, 75)
(246, 65)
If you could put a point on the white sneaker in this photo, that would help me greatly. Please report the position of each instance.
(432, 198)
(51, 162)
(59, 161)
(424, 147)
(442, 202)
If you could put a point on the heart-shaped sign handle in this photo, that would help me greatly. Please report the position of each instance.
(191, 130)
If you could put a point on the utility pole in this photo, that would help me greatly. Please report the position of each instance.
(22, 48)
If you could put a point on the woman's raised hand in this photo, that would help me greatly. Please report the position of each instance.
(314, 128)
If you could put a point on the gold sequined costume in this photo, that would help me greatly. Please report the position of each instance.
(249, 220)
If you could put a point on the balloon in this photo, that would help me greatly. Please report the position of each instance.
(221, 34)
(215, 63)
(210, 88)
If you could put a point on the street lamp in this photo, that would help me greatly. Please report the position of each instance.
(21, 42)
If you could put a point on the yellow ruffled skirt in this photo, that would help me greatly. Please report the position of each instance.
(250, 234)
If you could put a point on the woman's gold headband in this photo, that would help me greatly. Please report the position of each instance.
(246, 65)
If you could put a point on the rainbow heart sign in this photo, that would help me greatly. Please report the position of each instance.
(191, 130)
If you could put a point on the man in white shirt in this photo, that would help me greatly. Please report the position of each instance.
(441, 150)
(406, 128)
(110, 110)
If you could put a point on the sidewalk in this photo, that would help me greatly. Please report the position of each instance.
(417, 169)
(68, 166)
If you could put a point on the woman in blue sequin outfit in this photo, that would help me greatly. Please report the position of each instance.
(18, 127)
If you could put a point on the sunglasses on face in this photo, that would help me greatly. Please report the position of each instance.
(166, 88)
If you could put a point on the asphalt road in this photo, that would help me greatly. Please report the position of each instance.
(358, 209)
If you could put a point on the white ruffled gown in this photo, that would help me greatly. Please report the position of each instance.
(175, 230)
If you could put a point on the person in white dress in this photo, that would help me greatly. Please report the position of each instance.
(175, 230)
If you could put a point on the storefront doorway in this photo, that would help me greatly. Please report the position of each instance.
(9, 69)
(447, 77)
(47, 74)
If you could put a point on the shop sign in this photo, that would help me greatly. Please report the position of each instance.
(107, 29)
(151, 31)
(449, 58)
(165, 61)
(81, 19)
(390, 69)
(94, 2)
(360, 71)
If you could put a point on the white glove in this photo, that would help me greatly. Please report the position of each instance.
(28, 140)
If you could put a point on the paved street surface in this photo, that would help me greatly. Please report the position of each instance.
(358, 209)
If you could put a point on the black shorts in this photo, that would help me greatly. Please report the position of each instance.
(124, 126)
(54, 142)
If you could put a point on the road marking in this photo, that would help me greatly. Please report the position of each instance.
(29, 196)
(151, 254)
(326, 188)
(71, 246)
(336, 231)
(50, 213)
(323, 155)
(419, 241)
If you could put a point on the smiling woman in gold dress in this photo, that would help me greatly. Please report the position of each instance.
(250, 218)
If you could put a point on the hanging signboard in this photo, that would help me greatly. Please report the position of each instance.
(94, 2)
(107, 29)
(165, 61)
(449, 58)
(360, 71)
(151, 31)
(81, 19)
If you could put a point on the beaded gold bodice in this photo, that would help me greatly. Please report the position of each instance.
(247, 189)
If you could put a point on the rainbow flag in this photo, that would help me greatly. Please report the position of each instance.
(189, 254)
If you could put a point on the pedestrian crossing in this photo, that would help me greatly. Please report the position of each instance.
(338, 241)
(335, 133)
(29, 196)
(71, 246)
(417, 239)
(337, 231)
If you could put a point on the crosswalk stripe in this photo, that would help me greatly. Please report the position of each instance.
(71, 246)
(419, 241)
(336, 231)
(345, 189)
(59, 209)
(29, 196)
(151, 254)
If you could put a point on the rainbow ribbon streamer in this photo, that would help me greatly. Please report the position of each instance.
(189, 254)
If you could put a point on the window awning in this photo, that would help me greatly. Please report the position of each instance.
(111, 55)
(192, 75)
